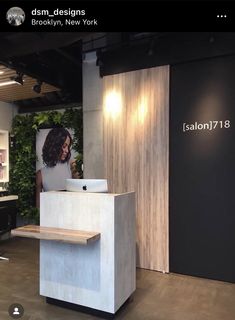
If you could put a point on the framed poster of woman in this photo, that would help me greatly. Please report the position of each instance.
(55, 160)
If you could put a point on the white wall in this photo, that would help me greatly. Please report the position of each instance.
(7, 113)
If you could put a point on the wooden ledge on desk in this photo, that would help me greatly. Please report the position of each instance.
(56, 234)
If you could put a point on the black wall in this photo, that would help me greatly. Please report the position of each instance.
(202, 169)
(166, 48)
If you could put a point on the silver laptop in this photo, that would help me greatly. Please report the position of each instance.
(87, 185)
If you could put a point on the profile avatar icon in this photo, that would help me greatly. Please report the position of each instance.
(16, 311)
(15, 16)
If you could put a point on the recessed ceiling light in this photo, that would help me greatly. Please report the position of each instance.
(1, 72)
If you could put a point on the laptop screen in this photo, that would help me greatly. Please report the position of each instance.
(87, 185)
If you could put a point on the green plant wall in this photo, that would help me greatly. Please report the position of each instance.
(23, 153)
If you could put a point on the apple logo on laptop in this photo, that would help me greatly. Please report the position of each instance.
(84, 187)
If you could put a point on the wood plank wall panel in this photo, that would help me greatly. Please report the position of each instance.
(136, 148)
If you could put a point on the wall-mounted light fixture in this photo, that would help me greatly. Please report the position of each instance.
(113, 103)
(142, 109)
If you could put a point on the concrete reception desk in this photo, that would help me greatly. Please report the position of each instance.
(102, 273)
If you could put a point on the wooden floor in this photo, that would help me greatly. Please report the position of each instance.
(158, 296)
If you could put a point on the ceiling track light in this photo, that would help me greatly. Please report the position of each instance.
(37, 87)
(99, 61)
(18, 78)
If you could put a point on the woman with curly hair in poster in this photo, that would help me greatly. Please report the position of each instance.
(56, 158)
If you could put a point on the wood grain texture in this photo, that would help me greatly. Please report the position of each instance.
(15, 92)
(136, 148)
(56, 234)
